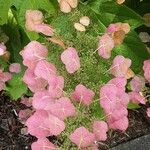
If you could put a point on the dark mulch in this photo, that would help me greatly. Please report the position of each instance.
(12, 139)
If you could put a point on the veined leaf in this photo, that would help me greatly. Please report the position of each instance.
(16, 87)
(109, 12)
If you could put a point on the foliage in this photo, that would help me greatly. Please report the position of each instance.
(76, 64)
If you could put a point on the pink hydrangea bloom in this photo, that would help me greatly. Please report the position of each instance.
(105, 46)
(82, 137)
(45, 69)
(148, 112)
(118, 26)
(42, 99)
(43, 144)
(121, 124)
(71, 60)
(15, 67)
(42, 124)
(146, 68)
(83, 95)
(56, 85)
(34, 22)
(137, 84)
(34, 83)
(121, 67)
(32, 53)
(100, 128)
(135, 97)
(114, 101)
(2, 49)
(62, 108)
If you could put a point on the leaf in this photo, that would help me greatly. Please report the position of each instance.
(133, 106)
(134, 49)
(16, 87)
(4, 8)
(109, 11)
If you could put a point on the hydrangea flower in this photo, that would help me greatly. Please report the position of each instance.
(43, 144)
(114, 101)
(62, 108)
(34, 83)
(32, 53)
(99, 129)
(121, 67)
(56, 85)
(137, 84)
(71, 60)
(15, 68)
(45, 70)
(105, 46)
(34, 22)
(42, 124)
(136, 98)
(146, 68)
(42, 99)
(83, 95)
(82, 137)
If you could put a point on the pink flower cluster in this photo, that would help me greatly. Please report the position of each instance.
(114, 35)
(114, 101)
(85, 139)
(121, 67)
(34, 22)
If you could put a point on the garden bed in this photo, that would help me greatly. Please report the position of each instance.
(12, 139)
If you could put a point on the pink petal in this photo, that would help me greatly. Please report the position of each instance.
(42, 99)
(137, 84)
(43, 124)
(100, 128)
(146, 68)
(34, 83)
(15, 67)
(121, 124)
(56, 85)
(62, 109)
(120, 66)
(135, 97)
(105, 46)
(82, 137)
(25, 114)
(44, 28)
(45, 70)
(43, 144)
(71, 60)
(83, 95)
(32, 53)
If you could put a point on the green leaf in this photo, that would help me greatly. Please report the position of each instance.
(134, 49)
(16, 87)
(109, 12)
(4, 8)
(133, 106)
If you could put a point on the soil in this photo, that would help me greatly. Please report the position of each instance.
(12, 139)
